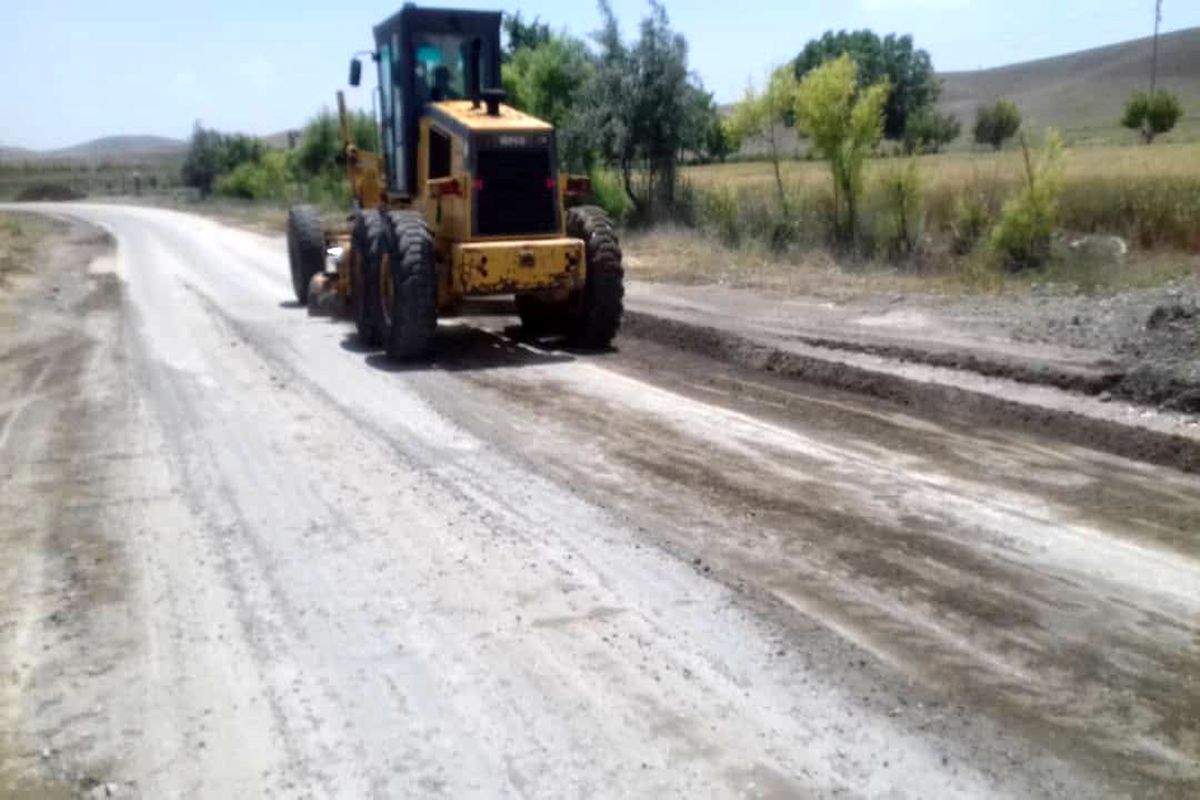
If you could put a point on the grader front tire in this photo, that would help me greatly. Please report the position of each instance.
(410, 319)
(370, 244)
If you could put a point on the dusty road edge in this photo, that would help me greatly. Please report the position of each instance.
(928, 398)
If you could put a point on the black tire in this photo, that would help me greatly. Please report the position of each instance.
(370, 243)
(306, 248)
(410, 321)
(596, 311)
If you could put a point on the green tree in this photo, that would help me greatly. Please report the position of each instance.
(763, 114)
(720, 141)
(928, 131)
(321, 140)
(238, 149)
(211, 154)
(524, 35)
(635, 109)
(908, 71)
(996, 124)
(545, 80)
(844, 123)
(269, 178)
(204, 160)
(704, 135)
(1152, 114)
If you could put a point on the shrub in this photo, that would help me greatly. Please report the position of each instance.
(929, 131)
(972, 220)
(270, 178)
(901, 213)
(764, 114)
(844, 124)
(609, 194)
(997, 124)
(719, 214)
(1022, 236)
(1152, 114)
(321, 141)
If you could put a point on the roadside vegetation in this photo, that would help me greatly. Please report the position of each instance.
(868, 188)
(22, 238)
(240, 167)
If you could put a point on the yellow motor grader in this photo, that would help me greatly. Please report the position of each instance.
(465, 200)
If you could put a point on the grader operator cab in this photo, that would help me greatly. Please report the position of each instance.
(466, 199)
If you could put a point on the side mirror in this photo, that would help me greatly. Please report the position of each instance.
(355, 72)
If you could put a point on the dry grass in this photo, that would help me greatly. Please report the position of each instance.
(682, 255)
(21, 238)
(959, 170)
(1148, 195)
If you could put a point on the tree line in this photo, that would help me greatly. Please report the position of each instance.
(635, 108)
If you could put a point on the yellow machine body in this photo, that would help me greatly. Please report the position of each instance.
(468, 265)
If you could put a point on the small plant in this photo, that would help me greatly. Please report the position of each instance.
(609, 194)
(972, 219)
(844, 123)
(902, 217)
(996, 124)
(764, 114)
(719, 213)
(1021, 239)
(1152, 114)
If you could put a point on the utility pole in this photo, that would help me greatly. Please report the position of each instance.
(1154, 63)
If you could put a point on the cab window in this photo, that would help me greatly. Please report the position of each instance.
(440, 67)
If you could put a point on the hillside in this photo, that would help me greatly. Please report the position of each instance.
(1084, 93)
(108, 148)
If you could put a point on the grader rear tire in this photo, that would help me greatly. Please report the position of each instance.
(306, 248)
(595, 313)
(409, 314)
(370, 244)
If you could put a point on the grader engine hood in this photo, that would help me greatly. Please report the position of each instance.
(464, 114)
(512, 163)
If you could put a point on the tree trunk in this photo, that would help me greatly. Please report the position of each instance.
(837, 205)
(783, 203)
(627, 182)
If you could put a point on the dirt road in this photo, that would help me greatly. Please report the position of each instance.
(242, 557)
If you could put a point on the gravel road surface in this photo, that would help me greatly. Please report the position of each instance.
(243, 557)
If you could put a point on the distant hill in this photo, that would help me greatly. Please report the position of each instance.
(14, 153)
(1084, 93)
(108, 148)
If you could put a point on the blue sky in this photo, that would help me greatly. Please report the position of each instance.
(77, 70)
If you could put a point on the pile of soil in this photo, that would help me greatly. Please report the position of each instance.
(1166, 358)
(1152, 335)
